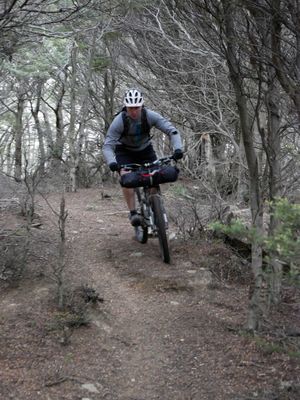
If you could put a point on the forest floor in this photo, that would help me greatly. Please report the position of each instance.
(158, 331)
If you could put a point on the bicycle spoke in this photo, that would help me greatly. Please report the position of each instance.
(141, 232)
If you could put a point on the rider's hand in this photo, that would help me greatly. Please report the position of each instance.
(113, 166)
(178, 154)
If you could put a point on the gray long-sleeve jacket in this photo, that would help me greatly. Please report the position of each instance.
(136, 140)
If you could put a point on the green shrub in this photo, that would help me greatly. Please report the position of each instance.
(283, 242)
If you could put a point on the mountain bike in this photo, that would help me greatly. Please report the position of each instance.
(149, 200)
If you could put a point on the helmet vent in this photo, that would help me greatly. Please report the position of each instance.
(133, 98)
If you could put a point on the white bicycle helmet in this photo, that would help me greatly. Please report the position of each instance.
(133, 98)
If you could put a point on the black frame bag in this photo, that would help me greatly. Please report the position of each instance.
(150, 177)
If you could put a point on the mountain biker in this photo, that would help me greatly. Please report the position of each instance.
(128, 141)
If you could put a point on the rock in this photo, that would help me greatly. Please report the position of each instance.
(172, 236)
(203, 277)
(138, 254)
(90, 387)
(232, 212)
(187, 265)
(286, 384)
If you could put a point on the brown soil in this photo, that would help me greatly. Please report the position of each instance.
(161, 332)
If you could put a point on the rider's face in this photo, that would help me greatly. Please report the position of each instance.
(134, 112)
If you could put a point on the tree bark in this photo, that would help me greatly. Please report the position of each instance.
(71, 131)
(76, 138)
(79, 161)
(270, 132)
(255, 309)
(18, 135)
(59, 142)
(48, 130)
(289, 83)
(273, 154)
(35, 113)
(109, 93)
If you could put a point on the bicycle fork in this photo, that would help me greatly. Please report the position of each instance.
(163, 211)
(147, 214)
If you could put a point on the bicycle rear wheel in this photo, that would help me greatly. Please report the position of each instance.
(159, 220)
(141, 231)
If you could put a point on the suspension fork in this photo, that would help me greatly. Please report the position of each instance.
(155, 191)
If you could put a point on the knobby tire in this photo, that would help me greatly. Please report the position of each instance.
(160, 223)
(141, 232)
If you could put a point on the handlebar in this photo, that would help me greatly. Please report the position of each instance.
(158, 162)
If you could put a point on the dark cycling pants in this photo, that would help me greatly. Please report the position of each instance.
(125, 156)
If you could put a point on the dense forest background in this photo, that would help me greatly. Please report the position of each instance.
(227, 73)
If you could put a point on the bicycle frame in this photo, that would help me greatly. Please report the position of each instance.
(154, 219)
(147, 195)
(152, 210)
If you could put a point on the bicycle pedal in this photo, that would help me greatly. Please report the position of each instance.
(135, 220)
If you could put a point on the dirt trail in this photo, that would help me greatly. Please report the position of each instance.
(161, 332)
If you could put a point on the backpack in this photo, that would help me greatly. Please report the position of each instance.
(145, 125)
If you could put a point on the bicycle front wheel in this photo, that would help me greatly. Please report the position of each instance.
(159, 220)
(141, 231)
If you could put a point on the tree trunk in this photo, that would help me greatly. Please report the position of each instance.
(207, 157)
(9, 160)
(48, 130)
(35, 113)
(289, 83)
(60, 269)
(79, 161)
(255, 309)
(241, 186)
(270, 126)
(71, 131)
(273, 152)
(109, 92)
(58, 145)
(57, 151)
(18, 135)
